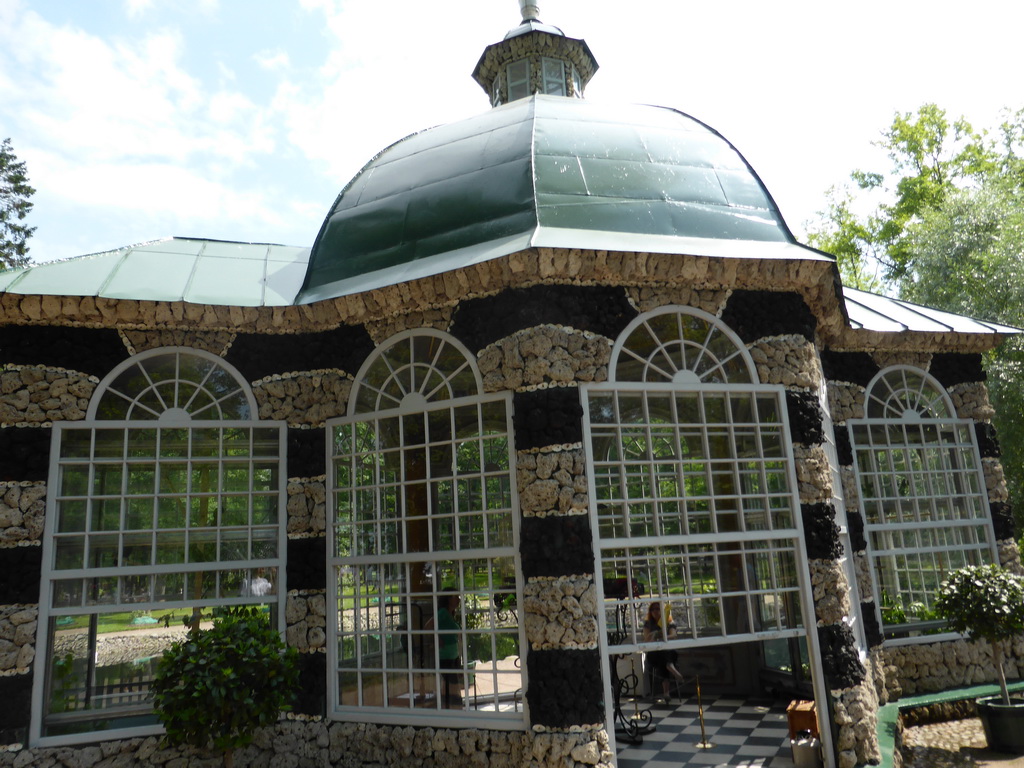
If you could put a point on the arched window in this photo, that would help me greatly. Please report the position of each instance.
(693, 485)
(681, 347)
(923, 495)
(422, 510)
(165, 506)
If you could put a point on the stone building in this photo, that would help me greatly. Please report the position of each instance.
(562, 359)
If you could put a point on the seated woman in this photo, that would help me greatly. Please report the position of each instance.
(662, 663)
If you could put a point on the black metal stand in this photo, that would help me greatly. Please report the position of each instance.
(633, 727)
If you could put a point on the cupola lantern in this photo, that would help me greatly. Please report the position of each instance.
(534, 58)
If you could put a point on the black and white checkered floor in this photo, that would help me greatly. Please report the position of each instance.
(744, 733)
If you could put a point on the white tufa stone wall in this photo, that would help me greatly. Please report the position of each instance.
(307, 505)
(546, 355)
(18, 624)
(216, 342)
(22, 512)
(302, 742)
(40, 395)
(552, 482)
(561, 613)
(303, 398)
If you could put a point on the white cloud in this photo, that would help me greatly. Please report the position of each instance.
(135, 8)
(273, 60)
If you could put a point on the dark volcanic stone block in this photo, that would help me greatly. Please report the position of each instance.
(307, 452)
(839, 656)
(952, 368)
(844, 448)
(855, 525)
(547, 417)
(556, 546)
(756, 314)
(16, 695)
(565, 688)
(307, 563)
(1002, 520)
(872, 632)
(21, 569)
(258, 354)
(599, 309)
(821, 534)
(988, 440)
(88, 350)
(24, 453)
(312, 696)
(805, 416)
(854, 367)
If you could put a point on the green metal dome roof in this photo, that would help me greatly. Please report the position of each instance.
(545, 171)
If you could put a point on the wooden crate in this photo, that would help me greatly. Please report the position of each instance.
(802, 716)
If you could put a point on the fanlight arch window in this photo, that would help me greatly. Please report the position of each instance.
(170, 383)
(693, 486)
(164, 507)
(411, 370)
(421, 508)
(922, 491)
(681, 346)
(903, 392)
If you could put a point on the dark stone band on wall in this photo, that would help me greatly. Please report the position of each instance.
(756, 314)
(988, 440)
(556, 546)
(854, 367)
(306, 452)
(821, 534)
(21, 569)
(855, 527)
(805, 418)
(565, 688)
(259, 355)
(1003, 521)
(872, 632)
(951, 368)
(312, 696)
(24, 453)
(16, 695)
(307, 563)
(840, 659)
(547, 417)
(604, 310)
(94, 351)
(844, 448)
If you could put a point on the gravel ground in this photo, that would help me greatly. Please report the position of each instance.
(954, 744)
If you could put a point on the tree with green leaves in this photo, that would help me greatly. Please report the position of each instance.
(14, 207)
(217, 686)
(985, 602)
(948, 233)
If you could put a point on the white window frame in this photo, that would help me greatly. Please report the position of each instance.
(678, 351)
(428, 386)
(517, 74)
(228, 577)
(948, 500)
(553, 76)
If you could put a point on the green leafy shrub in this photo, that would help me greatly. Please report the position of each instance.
(217, 686)
(985, 602)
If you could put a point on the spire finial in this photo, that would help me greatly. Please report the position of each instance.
(530, 10)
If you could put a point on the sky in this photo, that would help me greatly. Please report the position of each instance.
(244, 119)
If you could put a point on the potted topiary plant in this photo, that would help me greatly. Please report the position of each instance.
(217, 686)
(986, 602)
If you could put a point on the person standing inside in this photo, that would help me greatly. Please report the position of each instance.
(662, 662)
(448, 648)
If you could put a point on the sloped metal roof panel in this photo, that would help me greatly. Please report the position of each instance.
(873, 312)
(192, 270)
